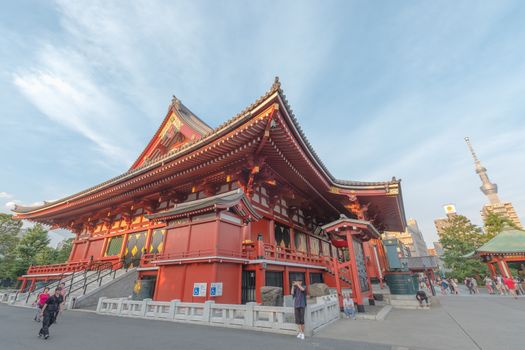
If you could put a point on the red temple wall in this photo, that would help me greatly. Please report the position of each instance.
(78, 251)
(95, 249)
(177, 240)
(230, 237)
(176, 282)
(261, 226)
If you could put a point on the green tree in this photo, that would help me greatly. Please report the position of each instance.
(459, 238)
(63, 253)
(31, 250)
(9, 231)
(494, 224)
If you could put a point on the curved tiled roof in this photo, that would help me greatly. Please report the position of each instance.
(210, 135)
(509, 241)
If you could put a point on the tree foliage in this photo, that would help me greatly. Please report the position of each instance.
(459, 238)
(17, 254)
(494, 224)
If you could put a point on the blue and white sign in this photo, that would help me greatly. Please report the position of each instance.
(199, 289)
(216, 289)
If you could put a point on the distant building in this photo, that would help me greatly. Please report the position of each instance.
(442, 223)
(418, 242)
(431, 251)
(439, 251)
(412, 238)
(495, 205)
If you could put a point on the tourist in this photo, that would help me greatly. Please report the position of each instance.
(499, 285)
(422, 296)
(348, 306)
(468, 283)
(444, 286)
(49, 311)
(299, 302)
(511, 285)
(62, 287)
(40, 301)
(474, 284)
(454, 286)
(519, 285)
(489, 284)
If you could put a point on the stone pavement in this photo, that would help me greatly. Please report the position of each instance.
(78, 330)
(461, 322)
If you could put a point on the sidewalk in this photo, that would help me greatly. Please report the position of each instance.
(473, 323)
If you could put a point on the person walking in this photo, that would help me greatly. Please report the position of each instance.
(454, 286)
(49, 311)
(489, 284)
(40, 301)
(511, 286)
(348, 306)
(468, 283)
(299, 302)
(444, 286)
(474, 284)
(62, 287)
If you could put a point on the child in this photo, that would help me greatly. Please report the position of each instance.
(40, 301)
(348, 305)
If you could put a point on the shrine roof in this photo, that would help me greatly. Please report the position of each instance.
(209, 135)
(343, 222)
(509, 241)
(221, 201)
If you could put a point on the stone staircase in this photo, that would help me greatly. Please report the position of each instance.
(78, 286)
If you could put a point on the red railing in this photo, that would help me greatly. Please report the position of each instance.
(58, 268)
(148, 259)
(272, 252)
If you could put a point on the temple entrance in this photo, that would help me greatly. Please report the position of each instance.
(316, 277)
(134, 249)
(275, 279)
(248, 287)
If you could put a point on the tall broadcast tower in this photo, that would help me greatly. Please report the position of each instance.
(490, 190)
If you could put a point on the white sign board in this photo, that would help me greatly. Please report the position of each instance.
(199, 289)
(216, 289)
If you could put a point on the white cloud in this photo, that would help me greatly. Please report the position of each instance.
(66, 93)
(11, 204)
(5, 195)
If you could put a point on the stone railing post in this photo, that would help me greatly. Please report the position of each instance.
(99, 305)
(206, 312)
(119, 306)
(145, 307)
(249, 315)
(308, 322)
(173, 308)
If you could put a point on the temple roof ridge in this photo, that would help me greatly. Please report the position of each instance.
(210, 135)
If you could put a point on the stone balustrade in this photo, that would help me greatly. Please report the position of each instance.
(250, 316)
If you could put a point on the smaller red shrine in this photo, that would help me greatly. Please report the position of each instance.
(246, 205)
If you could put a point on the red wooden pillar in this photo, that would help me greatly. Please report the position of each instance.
(23, 285)
(260, 275)
(307, 279)
(286, 281)
(356, 288)
(32, 286)
(503, 267)
(335, 264)
(377, 261)
(492, 269)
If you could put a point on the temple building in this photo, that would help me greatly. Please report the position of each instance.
(232, 209)
(495, 205)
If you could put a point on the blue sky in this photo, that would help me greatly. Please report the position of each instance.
(381, 89)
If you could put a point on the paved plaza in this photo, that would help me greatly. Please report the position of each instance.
(459, 322)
